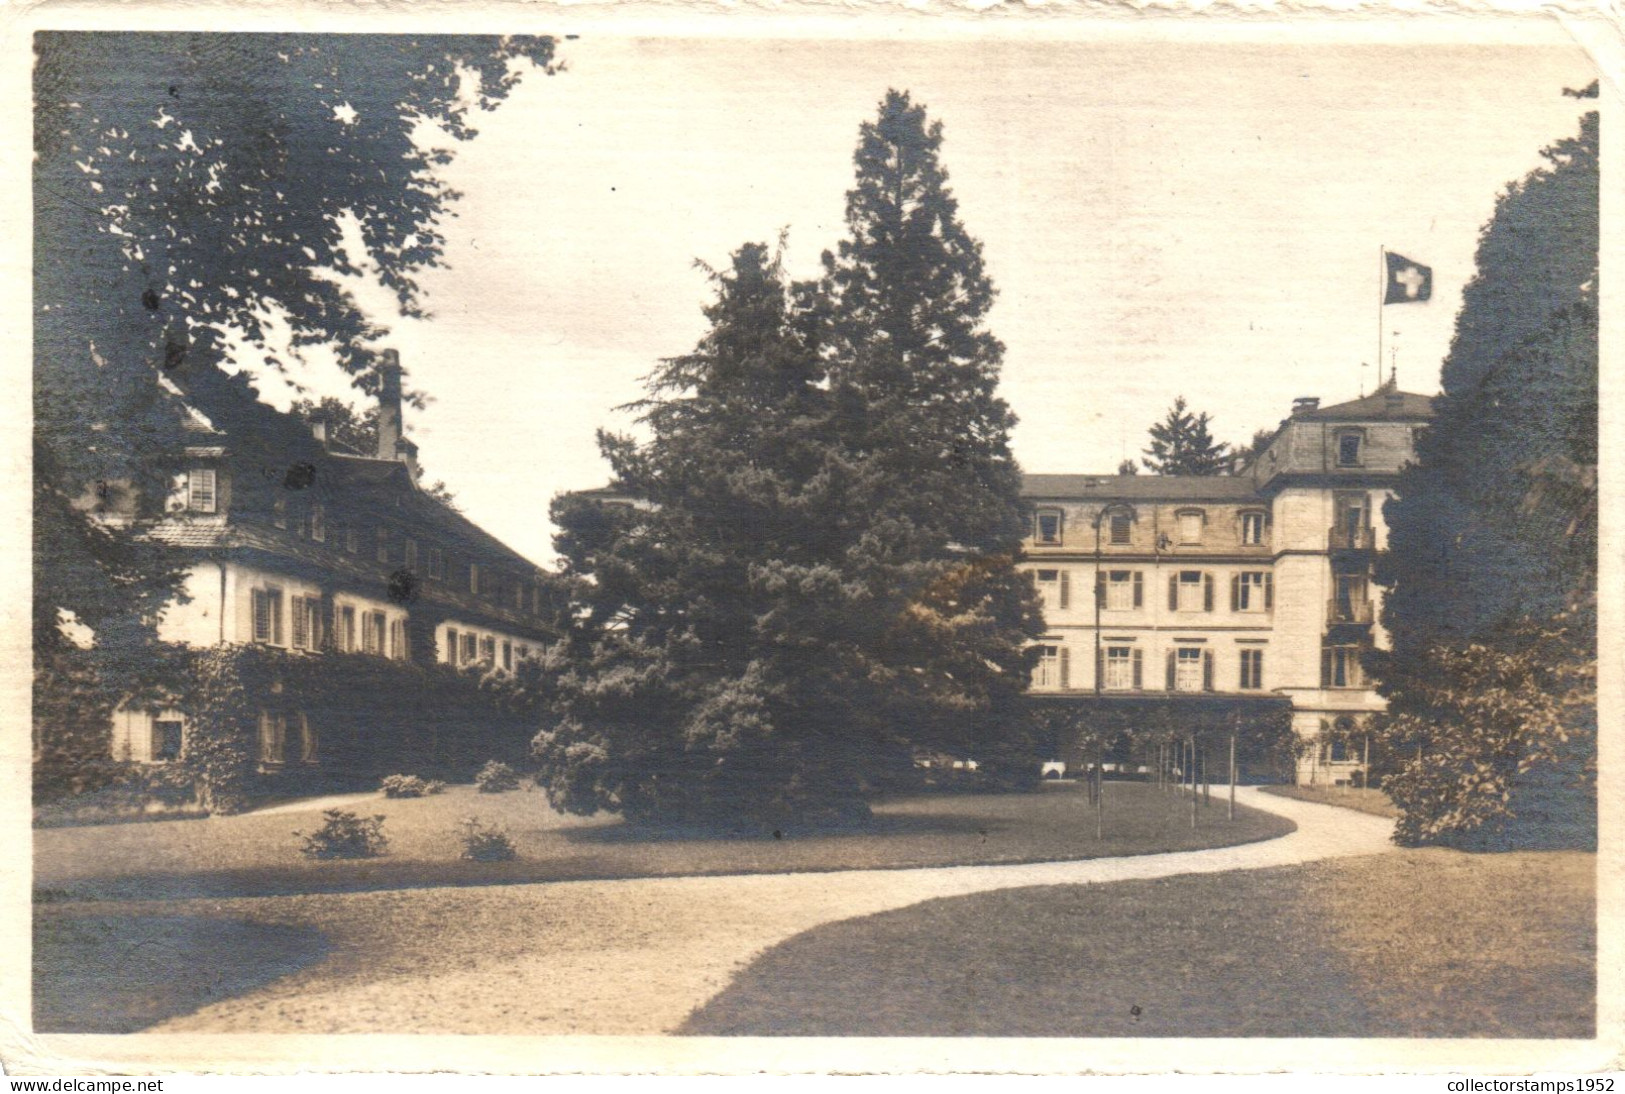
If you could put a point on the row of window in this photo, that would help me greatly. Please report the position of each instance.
(1188, 590)
(1049, 527)
(354, 630)
(1187, 668)
(310, 522)
(469, 648)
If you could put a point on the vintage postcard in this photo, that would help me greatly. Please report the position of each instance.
(629, 540)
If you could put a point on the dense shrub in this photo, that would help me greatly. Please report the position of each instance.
(410, 786)
(345, 835)
(496, 777)
(486, 842)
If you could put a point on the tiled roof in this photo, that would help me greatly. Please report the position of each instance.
(188, 531)
(1139, 487)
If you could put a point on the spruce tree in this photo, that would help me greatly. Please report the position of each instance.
(1182, 445)
(1492, 559)
(817, 576)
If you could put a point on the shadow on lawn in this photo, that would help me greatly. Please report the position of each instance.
(120, 974)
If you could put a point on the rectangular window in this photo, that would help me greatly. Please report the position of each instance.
(166, 739)
(1122, 529)
(307, 739)
(383, 545)
(1188, 669)
(200, 490)
(267, 610)
(307, 623)
(1053, 670)
(488, 650)
(1119, 668)
(451, 646)
(474, 577)
(397, 640)
(524, 652)
(1252, 529)
(372, 632)
(1252, 670)
(1351, 512)
(1192, 592)
(1190, 527)
(507, 655)
(411, 554)
(1048, 526)
(1054, 587)
(273, 737)
(352, 541)
(1123, 590)
(471, 649)
(1340, 667)
(437, 563)
(1253, 591)
(318, 522)
(1348, 450)
(346, 625)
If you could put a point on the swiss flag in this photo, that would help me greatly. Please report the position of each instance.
(1408, 282)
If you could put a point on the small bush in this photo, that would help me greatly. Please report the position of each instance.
(410, 786)
(345, 835)
(486, 842)
(496, 777)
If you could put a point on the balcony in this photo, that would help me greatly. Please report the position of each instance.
(1351, 610)
(1351, 539)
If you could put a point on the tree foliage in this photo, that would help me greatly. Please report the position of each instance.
(1181, 444)
(1492, 561)
(193, 192)
(357, 431)
(819, 575)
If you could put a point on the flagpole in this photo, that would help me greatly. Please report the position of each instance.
(1382, 291)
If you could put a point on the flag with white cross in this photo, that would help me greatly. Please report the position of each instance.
(1408, 282)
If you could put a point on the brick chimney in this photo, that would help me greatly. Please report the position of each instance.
(409, 456)
(1303, 404)
(389, 406)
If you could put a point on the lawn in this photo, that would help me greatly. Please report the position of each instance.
(1421, 943)
(1365, 799)
(257, 854)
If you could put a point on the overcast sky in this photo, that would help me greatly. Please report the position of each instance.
(1159, 220)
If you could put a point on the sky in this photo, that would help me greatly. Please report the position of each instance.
(1160, 219)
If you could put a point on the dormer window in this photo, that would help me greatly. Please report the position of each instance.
(1190, 525)
(200, 490)
(1350, 444)
(1122, 529)
(1252, 529)
(1048, 527)
(383, 545)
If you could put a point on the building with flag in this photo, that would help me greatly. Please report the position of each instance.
(1238, 593)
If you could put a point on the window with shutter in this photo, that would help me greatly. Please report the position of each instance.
(1120, 586)
(301, 624)
(200, 495)
(1251, 591)
(1252, 670)
(1119, 674)
(471, 649)
(307, 739)
(1252, 529)
(1188, 674)
(1051, 671)
(262, 615)
(346, 622)
(451, 646)
(1192, 593)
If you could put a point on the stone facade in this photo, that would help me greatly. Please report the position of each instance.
(1245, 585)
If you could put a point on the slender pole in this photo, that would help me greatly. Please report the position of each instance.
(1232, 813)
(1100, 785)
(1192, 766)
(1382, 291)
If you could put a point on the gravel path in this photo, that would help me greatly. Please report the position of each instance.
(633, 957)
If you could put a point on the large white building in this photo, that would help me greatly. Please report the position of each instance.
(292, 542)
(1247, 585)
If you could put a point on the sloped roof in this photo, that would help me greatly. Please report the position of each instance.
(1139, 487)
(1382, 405)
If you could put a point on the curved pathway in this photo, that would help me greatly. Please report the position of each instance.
(638, 956)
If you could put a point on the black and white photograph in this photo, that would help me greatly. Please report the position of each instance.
(758, 536)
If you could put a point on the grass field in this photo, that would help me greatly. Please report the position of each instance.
(1365, 799)
(258, 854)
(1422, 943)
